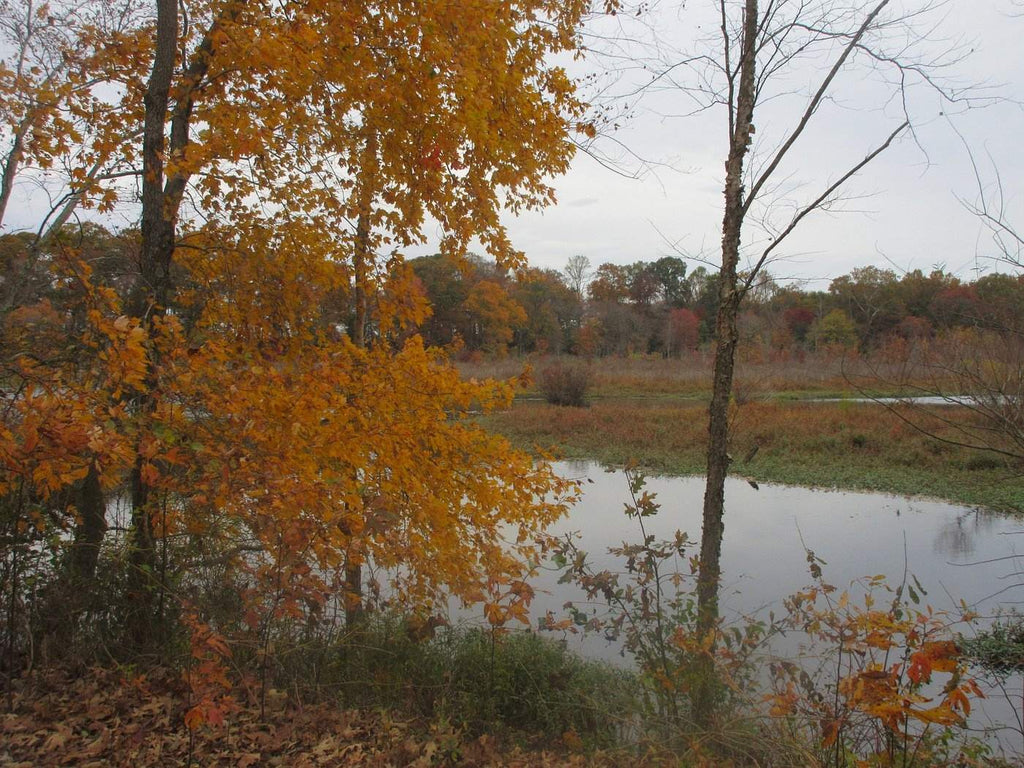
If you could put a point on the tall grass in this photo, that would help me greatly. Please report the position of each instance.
(756, 377)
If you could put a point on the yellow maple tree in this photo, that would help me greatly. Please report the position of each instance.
(254, 387)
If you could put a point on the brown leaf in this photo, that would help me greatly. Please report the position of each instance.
(58, 739)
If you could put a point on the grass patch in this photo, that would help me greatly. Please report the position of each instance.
(817, 375)
(516, 685)
(848, 445)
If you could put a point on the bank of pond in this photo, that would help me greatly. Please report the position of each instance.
(891, 580)
(897, 448)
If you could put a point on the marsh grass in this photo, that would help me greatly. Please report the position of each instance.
(849, 445)
(818, 374)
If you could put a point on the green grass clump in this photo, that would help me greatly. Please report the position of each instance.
(1000, 648)
(513, 683)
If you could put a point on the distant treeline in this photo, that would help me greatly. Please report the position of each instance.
(658, 307)
(661, 307)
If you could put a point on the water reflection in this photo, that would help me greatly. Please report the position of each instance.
(957, 537)
(856, 534)
(956, 553)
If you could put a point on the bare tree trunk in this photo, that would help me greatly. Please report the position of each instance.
(726, 338)
(361, 258)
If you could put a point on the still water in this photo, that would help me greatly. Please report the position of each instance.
(948, 548)
(956, 553)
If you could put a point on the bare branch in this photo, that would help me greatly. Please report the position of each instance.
(822, 198)
(813, 105)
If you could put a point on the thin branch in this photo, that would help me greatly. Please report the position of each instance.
(813, 105)
(822, 198)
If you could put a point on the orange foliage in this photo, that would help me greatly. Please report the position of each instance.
(887, 658)
(241, 410)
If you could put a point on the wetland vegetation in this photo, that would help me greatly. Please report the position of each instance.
(654, 411)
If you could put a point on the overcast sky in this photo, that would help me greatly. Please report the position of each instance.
(905, 209)
(906, 214)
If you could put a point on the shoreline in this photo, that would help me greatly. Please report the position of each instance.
(842, 445)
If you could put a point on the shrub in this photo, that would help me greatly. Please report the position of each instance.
(982, 461)
(565, 384)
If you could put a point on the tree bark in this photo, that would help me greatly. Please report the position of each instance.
(90, 530)
(156, 253)
(161, 201)
(361, 258)
(726, 338)
(12, 164)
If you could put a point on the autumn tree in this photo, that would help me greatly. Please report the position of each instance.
(285, 157)
(1000, 298)
(916, 290)
(834, 329)
(798, 321)
(66, 137)
(496, 316)
(670, 273)
(644, 285)
(553, 311)
(869, 296)
(610, 284)
(682, 332)
(955, 305)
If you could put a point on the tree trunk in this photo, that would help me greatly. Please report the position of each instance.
(361, 258)
(150, 300)
(726, 339)
(161, 200)
(353, 566)
(90, 530)
(64, 600)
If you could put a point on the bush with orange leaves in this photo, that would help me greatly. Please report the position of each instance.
(899, 685)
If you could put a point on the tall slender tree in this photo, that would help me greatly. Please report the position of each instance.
(762, 43)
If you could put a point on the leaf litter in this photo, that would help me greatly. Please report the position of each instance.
(117, 718)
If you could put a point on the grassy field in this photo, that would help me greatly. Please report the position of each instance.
(652, 377)
(848, 445)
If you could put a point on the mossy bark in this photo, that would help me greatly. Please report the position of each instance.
(741, 105)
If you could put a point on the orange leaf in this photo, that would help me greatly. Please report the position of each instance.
(194, 718)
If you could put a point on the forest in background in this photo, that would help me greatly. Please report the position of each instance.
(476, 310)
(662, 308)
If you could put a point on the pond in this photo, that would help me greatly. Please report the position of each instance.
(952, 400)
(956, 553)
